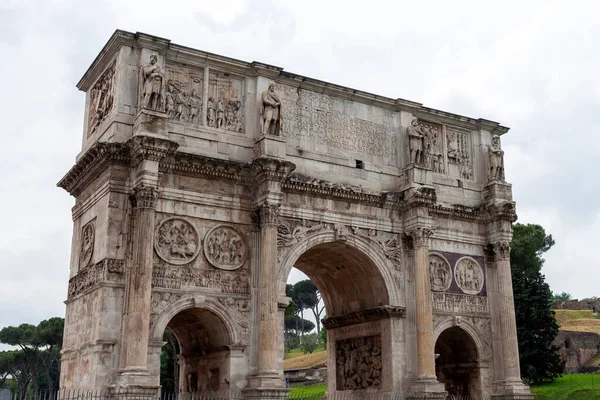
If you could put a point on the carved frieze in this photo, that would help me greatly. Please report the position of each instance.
(107, 270)
(432, 141)
(225, 104)
(358, 363)
(440, 273)
(183, 95)
(460, 303)
(176, 241)
(330, 121)
(88, 235)
(225, 248)
(190, 278)
(460, 160)
(101, 98)
(468, 275)
(390, 244)
(161, 300)
(239, 309)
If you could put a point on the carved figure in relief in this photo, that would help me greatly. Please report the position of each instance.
(101, 98)
(176, 241)
(220, 113)
(170, 102)
(153, 86)
(440, 273)
(469, 276)
(358, 363)
(210, 113)
(194, 105)
(496, 157)
(224, 248)
(271, 112)
(87, 245)
(415, 142)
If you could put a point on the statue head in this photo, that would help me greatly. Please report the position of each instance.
(496, 141)
(414, 122)
(153, 58)
(271, 87)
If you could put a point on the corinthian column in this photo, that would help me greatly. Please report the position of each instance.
(424, 312)
(505, 308)
(138, 284)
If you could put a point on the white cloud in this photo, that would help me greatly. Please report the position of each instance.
(532, 66)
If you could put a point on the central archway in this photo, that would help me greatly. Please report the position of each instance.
(356, 283)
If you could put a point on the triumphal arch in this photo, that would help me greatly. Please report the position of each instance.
(203, 180)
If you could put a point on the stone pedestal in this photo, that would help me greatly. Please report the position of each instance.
(150, 122)
(271, 146)
(417, 175)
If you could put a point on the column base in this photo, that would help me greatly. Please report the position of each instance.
(512, 390)
(426, 388)
(137, 379)
(266, 386)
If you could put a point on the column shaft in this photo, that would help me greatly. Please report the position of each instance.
(138, 284)
(424, 312)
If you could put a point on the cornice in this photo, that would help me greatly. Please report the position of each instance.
(92, 163)
(358, 317)
(212, 168)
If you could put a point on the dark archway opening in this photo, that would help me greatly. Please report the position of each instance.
(196, 355)
(456, 364)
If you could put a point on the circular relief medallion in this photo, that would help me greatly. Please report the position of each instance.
(176, 241)
(440, 273)
(87, 245)
(468, 275)
(225, 248)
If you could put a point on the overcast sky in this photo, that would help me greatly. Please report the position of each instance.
(532, 66)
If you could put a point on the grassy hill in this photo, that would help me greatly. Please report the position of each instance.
(578, 320)
(296, 359)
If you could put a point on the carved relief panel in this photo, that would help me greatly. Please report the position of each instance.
(432, 146)
(440, 273)
(88, 236)
(225, 248)
(101, 98)
(177, 241)
(458, 145)
(225, 105)
(468, 275)
(358, 363)
(183, 95)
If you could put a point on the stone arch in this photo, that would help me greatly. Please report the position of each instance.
(466, 326)
(365, 246)
(191, 302)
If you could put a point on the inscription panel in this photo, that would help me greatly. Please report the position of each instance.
(333, 122)
(358, 363)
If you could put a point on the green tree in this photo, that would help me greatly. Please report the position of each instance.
(307, 296)
(309, 343)
(536, 325)
(564, 296)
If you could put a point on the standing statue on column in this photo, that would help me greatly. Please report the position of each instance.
(153, 85)
(496, 157)
(415, 142)
(271, 112)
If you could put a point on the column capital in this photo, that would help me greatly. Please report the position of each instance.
(144, 197)
(269, 214)
(501, 250)
(150, 148)
(419, 236)
(271, 169)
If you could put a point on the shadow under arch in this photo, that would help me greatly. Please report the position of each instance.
(195, 302)
(459, 351)
(348, 268)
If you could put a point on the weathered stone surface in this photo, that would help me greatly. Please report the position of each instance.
(204, 180)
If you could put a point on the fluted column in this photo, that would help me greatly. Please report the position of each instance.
(138, 284)
(506, 312)
(424, 312)
(268, 291)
